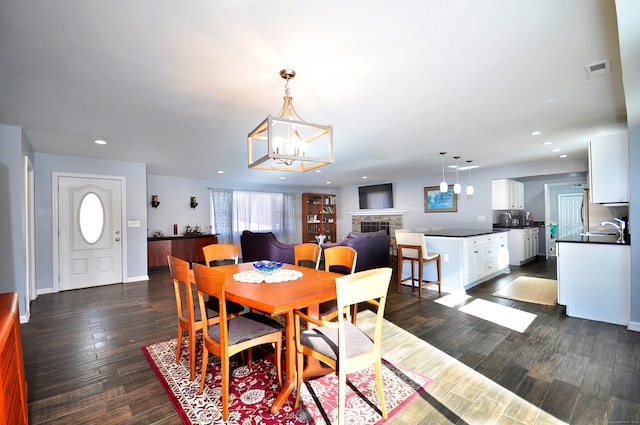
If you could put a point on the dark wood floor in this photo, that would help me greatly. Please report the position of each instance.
(84, 363)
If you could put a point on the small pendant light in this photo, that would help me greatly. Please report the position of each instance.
(444, 187)
(457, 188)
(469, 187)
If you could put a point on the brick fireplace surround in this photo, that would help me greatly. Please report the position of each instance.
(394, 220)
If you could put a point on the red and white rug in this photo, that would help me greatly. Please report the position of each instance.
(253, 391)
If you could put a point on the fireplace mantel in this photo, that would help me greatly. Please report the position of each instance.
(378, 212)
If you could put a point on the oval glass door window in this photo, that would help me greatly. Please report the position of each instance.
(91, 218)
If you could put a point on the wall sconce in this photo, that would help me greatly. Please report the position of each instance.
(194, 202)
(154, 201)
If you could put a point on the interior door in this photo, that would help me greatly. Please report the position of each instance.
(90, 232)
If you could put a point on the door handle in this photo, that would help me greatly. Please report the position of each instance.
(117, 239)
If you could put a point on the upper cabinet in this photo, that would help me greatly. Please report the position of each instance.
(609, 168)
(507, 194)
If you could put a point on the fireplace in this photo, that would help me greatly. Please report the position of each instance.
(374, 226)
(364, 223)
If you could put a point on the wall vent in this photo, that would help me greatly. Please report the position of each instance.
(598, 69)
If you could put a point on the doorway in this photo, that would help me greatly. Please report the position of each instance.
(89, 231)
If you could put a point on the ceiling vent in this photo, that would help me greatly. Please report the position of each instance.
(598, 69)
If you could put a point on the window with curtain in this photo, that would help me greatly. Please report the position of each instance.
(235, 211)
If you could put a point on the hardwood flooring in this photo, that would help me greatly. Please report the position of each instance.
(84, 363)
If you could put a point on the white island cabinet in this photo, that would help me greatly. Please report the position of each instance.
(469, 257)
(594, 280)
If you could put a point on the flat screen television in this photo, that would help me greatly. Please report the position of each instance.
(376, 196)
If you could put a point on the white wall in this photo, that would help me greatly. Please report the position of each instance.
(409, 196)
(12, 258)
(136, 193)
(174, 194)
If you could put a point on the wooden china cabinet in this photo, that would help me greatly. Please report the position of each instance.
(318, 217)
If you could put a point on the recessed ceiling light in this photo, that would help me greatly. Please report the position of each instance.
(328, 182)
(100, 142)
(536, 133)
(364, 177)
(555, 150)
(548, 142)
(564, 155)
(318, 171)
(282, 178)
(220, 172)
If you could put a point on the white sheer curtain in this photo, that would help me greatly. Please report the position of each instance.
(236, 211)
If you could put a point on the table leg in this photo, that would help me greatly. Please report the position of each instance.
(290, 364)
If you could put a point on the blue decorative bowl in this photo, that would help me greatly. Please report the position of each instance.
(265, 266)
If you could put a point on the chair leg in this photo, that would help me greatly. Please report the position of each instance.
(399, 267)
(420, 271)
(278, 353)
(205, 363)
(224, 376)
(342, 390)
(378, 369)
(192, 354)
(299, 371)
(439, 276)
(179, 344)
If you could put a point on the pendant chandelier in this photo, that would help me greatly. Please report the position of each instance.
(457, 188)
(469, 186)
(287, 142)
(444, 187)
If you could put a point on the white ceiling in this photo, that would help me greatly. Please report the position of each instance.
(179, 84)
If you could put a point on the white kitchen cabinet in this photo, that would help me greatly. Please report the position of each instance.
(507, 194)
(468, 261)
(523, 245)
(594, 281)
(609, 168)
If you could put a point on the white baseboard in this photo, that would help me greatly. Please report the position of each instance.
(136, 279)
(634, 326)
(43, 291)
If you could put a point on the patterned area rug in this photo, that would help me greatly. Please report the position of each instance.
(253, 391)
(531, 289)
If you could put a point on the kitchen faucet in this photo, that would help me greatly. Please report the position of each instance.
(619, 227)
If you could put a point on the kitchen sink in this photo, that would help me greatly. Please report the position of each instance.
(598, 234)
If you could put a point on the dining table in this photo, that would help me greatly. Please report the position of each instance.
(282, 298)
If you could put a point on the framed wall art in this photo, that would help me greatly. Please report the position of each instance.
(436, 201)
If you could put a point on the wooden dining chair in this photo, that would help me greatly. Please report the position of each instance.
(342, 345)
(229, 336)
(309, 253)
(189, 314)
(412, 247)
(219, 254)
(338, 259)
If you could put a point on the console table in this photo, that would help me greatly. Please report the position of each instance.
(188, 248)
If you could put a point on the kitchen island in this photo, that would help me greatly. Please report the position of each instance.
(594, 278)
(468, 256)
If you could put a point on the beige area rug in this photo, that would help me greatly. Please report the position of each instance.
(531, 289)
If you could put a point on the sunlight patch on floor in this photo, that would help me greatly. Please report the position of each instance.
(453, 300)
(499, 314)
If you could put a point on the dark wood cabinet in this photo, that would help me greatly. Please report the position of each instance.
(188, 248)
(318, 216)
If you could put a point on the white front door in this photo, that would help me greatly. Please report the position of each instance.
(89, 232)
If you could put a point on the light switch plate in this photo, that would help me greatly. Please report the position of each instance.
(133, 223)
